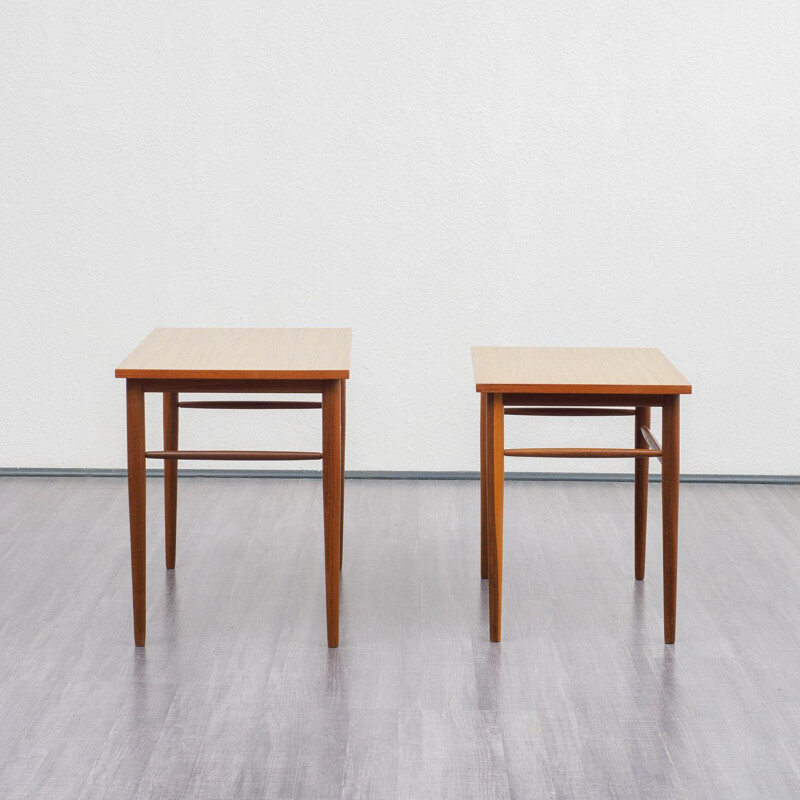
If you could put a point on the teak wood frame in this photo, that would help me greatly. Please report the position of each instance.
(332, 456)
(494, 406)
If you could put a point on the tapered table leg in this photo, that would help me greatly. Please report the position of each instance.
(170, 477)
(484, 522)
(341, 503)
(137, 506)
(332, 500)
(641, 476)
(494, 497)
(670, 481)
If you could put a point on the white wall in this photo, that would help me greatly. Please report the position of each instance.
(433, 174)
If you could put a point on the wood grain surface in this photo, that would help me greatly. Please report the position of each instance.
(583, 370)
(237, 695)
(243, 353)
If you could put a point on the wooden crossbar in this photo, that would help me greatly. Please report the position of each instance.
(569, 412)
(250, 404)
(583, 452)
(651, 440)
(232, 455)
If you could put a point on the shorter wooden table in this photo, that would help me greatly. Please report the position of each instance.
(175, 361)
(567, 381)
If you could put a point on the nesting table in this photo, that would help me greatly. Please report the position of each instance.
(566, 381)
(179, 361)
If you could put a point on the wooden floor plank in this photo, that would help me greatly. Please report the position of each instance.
(237, 695)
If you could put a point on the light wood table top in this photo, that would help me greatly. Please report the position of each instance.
(576, 370)
(241, 353)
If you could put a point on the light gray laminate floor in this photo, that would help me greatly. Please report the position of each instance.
(236, 694)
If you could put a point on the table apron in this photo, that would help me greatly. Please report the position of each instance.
(192, 385)
(604, 400)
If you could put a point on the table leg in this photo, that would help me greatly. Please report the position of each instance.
(341, 502)
(642, 469)
(137, 505)
(484, 521)
(332, 500)
(170, 477)
(494, 498)
(670, 481)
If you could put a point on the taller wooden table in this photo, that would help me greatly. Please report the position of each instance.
(175, 361)
(567, 381)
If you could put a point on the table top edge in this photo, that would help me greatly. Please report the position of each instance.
(582, 388)
(214, 375)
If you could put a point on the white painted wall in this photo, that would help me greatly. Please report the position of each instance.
(435, 175)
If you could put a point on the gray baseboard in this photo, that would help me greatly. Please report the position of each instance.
(83, 472)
